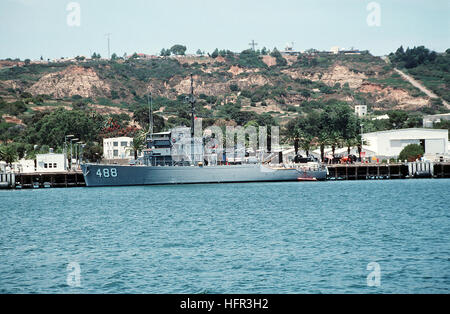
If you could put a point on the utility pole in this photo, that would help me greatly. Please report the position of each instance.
(253, 44)
(150, 114)
(109, 50)
(191, 99)
(66, 149)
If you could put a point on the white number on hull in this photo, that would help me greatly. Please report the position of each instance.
(107, 173)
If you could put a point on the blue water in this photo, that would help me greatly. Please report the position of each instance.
(235, 238)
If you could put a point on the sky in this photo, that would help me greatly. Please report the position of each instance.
(35, 28)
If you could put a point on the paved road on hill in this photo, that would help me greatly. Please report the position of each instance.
(420, 86)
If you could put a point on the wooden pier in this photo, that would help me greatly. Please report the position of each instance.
(49, 180)
(387, 171)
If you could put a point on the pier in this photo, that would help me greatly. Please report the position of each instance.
(355, 171)
(388, 171)
(42, 180)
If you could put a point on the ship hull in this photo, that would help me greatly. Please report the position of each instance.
(115, 175)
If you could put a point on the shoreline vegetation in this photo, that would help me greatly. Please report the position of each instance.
(252, 88)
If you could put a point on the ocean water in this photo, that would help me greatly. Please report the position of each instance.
(232, 238)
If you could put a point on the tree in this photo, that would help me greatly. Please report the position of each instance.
(80, 104)
(215, 53)
(165, 52)
(8, 153)
(279, 58)
(199, 52)
(50, 128)
(413, 57)
(92, 152)
(251, 59)
(138, 144)
(305, 142)
(322, 140)
(397, 118)
(234, 87)
(141, 116)
(178, 50)
(411, 152)
(114, 57)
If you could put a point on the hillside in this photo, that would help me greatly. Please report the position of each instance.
(231, 88)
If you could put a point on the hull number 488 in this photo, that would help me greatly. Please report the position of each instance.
(107, 173)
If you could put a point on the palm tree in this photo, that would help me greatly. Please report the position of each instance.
(137, 144)
(305, 143)
(322, 140)
(8, 154)
(360, 143)
(351, 142)
(335, 140)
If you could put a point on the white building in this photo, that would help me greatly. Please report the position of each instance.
(335, 50)
(25, 166)
(118, 148)
(361, 111)
(391, 143)
(383, 117)
(429, 121)
(50, 163)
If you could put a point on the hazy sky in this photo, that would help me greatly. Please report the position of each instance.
(31, 28)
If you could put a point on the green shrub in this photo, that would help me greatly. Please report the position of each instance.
(234, 88)
(411, 152)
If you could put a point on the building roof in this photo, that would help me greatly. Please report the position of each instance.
(441, 115)
(117, 138)
(407, 130)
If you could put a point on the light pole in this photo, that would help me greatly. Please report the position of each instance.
(83, 145)
(79, 144)
(150, 113)
(71, 150)
(65, 149)
(361, 144)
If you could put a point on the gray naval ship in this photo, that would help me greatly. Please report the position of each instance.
(168, 160)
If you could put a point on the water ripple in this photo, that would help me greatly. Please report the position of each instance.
(236, 238)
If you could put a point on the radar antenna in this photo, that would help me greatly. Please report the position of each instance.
(192, 100)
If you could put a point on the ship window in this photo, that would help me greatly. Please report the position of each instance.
(45, 166)
(54, 165)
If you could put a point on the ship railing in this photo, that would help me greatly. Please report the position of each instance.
(307, 167)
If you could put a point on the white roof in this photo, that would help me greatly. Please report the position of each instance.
(117, 138)
(407, 130)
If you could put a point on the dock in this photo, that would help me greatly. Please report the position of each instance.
(360, 171)
(357, 171)
(43, 180)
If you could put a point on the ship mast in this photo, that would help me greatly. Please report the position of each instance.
(191, 99)
(150, 114)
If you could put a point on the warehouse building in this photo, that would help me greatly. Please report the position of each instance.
(390, 143)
